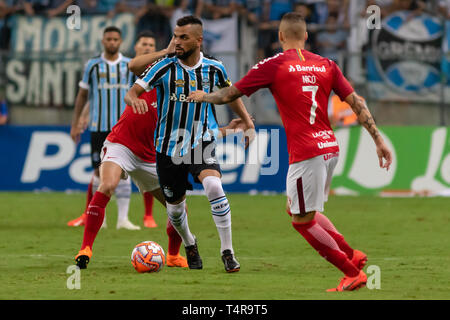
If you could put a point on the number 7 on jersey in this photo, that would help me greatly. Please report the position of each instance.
(313, 90)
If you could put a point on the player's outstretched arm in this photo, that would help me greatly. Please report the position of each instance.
(222, 96)
(231, 96)
(132, 99)
(138, 64)
(365, 118)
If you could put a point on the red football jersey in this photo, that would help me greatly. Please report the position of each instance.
(136, 131)
(301, 83)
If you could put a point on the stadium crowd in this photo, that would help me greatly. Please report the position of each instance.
(328, 20)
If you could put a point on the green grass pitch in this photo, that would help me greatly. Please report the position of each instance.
(407, 238)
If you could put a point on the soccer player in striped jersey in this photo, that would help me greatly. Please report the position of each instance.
(105, 82)
(129, 151)
(301, 82)
(185, 134)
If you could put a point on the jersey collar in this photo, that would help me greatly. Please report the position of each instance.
(200, 61)
(111, 63)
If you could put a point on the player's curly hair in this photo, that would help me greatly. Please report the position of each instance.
(112, 29)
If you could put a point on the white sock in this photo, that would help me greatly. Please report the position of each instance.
(220, 210)
(178, 219)
(123, 194)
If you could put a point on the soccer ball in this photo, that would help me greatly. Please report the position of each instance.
(148, 256)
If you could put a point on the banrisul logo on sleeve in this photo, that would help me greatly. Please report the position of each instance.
(407, 52)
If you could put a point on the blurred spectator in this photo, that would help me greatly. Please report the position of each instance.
(51, 8)
(7, 8)
(332, 40)
(156, 16)
(251, 10)
(186, 8)
(105, 6)
(339, 8)
(216, 9)
(87, 6)
(444, 8)
(33, 7)
(3, 112)
(136, 7)
(415, 6)
(277, 8)
(307, 11)
(273, 10)
(58, 7)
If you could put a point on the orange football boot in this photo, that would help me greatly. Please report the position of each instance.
(177, 261)
(83, 257)
(351, 283)
(80, 221)
(149, 222)
(359, 259)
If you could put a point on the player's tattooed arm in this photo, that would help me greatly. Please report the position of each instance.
(229, 95)
(365, 118)
(222, 96)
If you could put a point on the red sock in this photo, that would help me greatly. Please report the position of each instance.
(328, 226)
(148, 202)
(89, 195)
(174, 239)
(94, 218)
(327, 247)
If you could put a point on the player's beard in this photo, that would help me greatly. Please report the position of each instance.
(112, 51)
(186, 54)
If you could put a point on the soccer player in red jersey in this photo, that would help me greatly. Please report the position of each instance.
(301, 83)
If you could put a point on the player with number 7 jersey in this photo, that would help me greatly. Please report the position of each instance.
(301, 83)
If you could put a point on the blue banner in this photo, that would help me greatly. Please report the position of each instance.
(41, 158)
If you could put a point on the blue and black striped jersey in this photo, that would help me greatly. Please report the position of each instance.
(181, 124)
(107, 82)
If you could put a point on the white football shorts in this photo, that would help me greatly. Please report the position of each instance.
(141, 172)
(308, 183)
